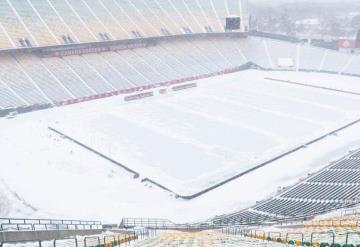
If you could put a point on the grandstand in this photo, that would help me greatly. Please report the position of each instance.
(201, 239)
(200, 121)
(39, 23)
(333, 187)
(76, 78)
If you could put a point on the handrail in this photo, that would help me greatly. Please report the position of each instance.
(21, 241)
(255, 223)
(75, 239)
(295, 233)
(270, 234)
(94, 238)
(84, 241)
(279, 237)
(46, 227)
(80, 222)
(322, 233)
(347, 236)
(18, 224)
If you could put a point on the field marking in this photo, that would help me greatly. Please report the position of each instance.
(313, 86)
(226, 181)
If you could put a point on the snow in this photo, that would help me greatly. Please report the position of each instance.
(346, 83)
(187, 140)
(313, 21)
(222, 127)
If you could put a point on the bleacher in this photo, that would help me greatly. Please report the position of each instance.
(81, 76)
(204, 238)
(333, 229)
(276, 237)
(335, 186)
(72, 77)
(48, 23)
(37, 23)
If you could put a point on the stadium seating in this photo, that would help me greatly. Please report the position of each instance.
(334, 186)
(353, 67)
(50, 22)
(337, 228)
(78, 76)
(88, 74)
(129, 71)
(45, 81)
(204, 238)
(254, 51)
(232, 53)
(20, 83)
(335, 61)
(281, 50)
(42, 23)
(310, 58)
(67, 77)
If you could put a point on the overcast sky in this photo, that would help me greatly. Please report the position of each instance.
(299, 1)
(307, 2)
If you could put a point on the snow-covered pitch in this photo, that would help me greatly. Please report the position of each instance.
(186, 140)
(193, 139)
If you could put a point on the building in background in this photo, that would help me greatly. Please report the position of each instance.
(350, 45)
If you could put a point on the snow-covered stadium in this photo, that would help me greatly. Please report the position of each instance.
(171, 123)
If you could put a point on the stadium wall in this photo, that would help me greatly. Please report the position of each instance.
(15, 236)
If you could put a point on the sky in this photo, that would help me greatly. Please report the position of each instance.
(317, 2)
(291, 1)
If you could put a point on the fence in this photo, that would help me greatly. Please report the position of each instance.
(89, 241)
(333, 223)
(146, 222)
(313, 238)
(15, 224)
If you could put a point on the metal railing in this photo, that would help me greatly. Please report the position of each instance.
(146, 222)
(89, 241)
(18, 224)
(312, 238)
(164, 224)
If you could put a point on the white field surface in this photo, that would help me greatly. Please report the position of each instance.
(186, 140)
(345, 83)
(190, 140)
